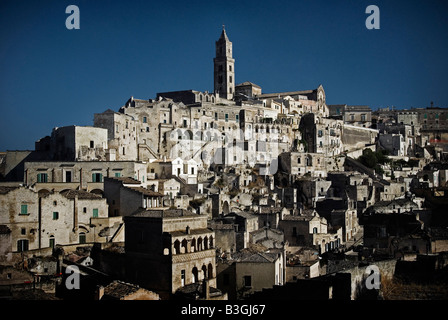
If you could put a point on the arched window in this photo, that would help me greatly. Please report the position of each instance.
(184, 246)
(205, 243)
(82, 237)
(52, 241)
(193, 245)
(204, 271)
(176, 247)
(210, 271)
(195, 275)
(199, 244)
(211, 242)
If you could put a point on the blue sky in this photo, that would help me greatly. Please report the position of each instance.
(51, 76)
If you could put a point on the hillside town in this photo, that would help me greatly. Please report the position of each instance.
(234, 194)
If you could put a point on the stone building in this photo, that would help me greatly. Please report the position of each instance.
(321, 135)
(247, 90)
(75, 143)
(249, 271)
(354, 115)
(360, 116)
(125, 196)
(87, 175)
(122, 131)
(66, 217)
(304, 163)
(169, 249)
(19, 213)
(309, 229)
(44, 220)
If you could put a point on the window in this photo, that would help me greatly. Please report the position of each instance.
(24, 209)
(82, 238)
(42, 177)
(227, 117)
(97, 177)
(55, 215)
(22, 245)
(23, 231)
(92, 144)
(230, 79)
(95, 213)
(237, 117)
(247, 281)
(182, 277)
(216, 115)
(117, 174)
(68, 176)
(52, 242)
(145, 120)
(315, 230)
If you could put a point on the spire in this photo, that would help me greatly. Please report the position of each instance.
(224, 34)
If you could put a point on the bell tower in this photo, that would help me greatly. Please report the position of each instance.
(224, 67)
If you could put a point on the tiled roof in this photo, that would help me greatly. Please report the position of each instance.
(126, 180)
(71, 194)
(146, 192)
(119, 289)
(247, 83)
(5, 190)
(158, 213)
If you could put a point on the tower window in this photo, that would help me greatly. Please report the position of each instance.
(230, 68)
(230, 79)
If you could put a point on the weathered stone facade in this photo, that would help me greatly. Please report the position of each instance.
(168, 249)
